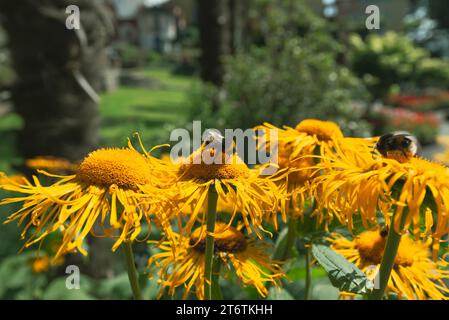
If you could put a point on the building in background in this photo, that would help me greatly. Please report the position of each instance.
(157, 27)
(148, 24)
(352, 12)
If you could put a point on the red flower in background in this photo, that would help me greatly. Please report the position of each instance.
(420, 102)
(399, 117)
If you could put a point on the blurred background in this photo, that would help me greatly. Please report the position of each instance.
(154, 65)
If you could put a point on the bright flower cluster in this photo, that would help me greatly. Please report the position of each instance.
(414, 276)
(220, 219)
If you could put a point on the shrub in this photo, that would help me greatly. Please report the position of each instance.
(385, 62)
(131, 56)
(292, 76)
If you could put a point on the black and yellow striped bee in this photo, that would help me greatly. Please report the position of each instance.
(398, 145)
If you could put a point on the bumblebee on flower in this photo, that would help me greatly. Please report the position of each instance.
(300, 149)
(404, 188)
(241, 189)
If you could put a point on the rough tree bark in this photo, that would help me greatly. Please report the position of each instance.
(59, 73)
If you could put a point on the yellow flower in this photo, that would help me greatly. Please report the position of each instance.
(364, 182)
(4, 179)
(106, 184)
(181, 261)
(305, 136)
(322, 131)
(306, 139)
(299, 149)
(40, 264)
(414, 276)
(51, 164)
(240, 189)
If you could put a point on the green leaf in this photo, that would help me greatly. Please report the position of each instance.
(281, 245)
(299, 272)
(343, 274)
(117, 287)
(15, 272)
(151, 290)
(323, 291)
(57, 290)
(310, 229)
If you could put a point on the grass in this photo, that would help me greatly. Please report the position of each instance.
(149, 111)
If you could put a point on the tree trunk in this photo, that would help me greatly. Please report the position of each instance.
(439, 10)
(212, 24)
(233, 25)
(59, 73)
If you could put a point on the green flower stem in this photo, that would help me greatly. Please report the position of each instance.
(388, 259)
(291, 238)
(308, 286)
(216, 290)
(131, 268)
(212, 199)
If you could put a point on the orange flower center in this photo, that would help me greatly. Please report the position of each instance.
(230, 167)
(125, 168)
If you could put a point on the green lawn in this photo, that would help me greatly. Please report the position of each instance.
(149, 111)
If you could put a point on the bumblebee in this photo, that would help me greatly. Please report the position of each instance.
(398, 145)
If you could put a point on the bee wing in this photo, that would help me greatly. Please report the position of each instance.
(415, 147)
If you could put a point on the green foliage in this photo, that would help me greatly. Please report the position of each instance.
(432, 72)
(322, 289)
(292, 75)
(343, 274)
(279, 294)
(150, 288)
(57, 290)
(186, 60)
(281, 245)
(130, 55)
(10, 243)
(277, 21)
(15, 274)
(385, 62)
(152, 112)
(116, 287)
